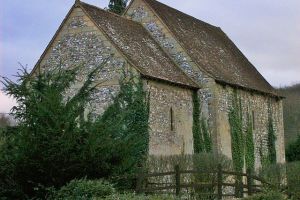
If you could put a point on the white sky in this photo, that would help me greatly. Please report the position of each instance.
(266, 31)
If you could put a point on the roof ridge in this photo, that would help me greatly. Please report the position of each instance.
(102, 9)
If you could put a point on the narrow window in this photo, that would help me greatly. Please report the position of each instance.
(253, 120)
(172, 118)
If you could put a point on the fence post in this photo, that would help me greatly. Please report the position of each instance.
(177, 180)
(220, 182)
(249, 182)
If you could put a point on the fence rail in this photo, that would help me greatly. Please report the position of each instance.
(251, 184)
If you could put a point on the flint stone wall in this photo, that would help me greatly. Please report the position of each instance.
(256, 104)
(164, 140)
(80, 43)
(215, 99)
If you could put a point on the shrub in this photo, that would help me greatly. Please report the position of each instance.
(132, 196)
(271, 195)
(293, 151)
(84, 189)
(283, 177)
(54, 143)
(293, 179)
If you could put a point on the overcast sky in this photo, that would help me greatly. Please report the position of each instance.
(266, 31)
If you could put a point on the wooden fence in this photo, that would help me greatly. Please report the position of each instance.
(249, 185)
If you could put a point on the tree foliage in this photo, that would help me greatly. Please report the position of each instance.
(4, 121)
(293, 151)
(291, 112)
(117, 6)
(53, 143)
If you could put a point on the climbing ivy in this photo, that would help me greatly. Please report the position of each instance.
(201, 134)
(236, 130)
(242, 145)
(271, 137)
(249, 152)
(196, 124)
(206, 135)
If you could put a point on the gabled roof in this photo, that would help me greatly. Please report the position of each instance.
(211, 49)
(138, 46)
(135, 43)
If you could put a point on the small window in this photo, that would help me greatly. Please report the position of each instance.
(253, 120)
(172, 119)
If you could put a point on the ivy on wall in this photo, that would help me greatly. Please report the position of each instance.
(236, 130)
(242, 144)
(249, 152)
(201, 135)
(206, 135)
(271, 137)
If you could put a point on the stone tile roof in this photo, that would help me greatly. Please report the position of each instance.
(211, 49)
(138, 46)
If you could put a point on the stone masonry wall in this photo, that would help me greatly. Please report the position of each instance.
(80, 43)
(164, 99)
(215, 99)
(257, 105)
(140, 12)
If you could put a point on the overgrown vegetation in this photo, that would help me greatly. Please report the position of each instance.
(271, 137)
(242, 144)
(4, 121)
(203, 162)
(293, 151)
(53, 143)
(291, 112)
(201, 135)
(269, 195)
(291, 117)
(117, 6)
(236, 130)
(83, 189)
(249, 152)
(284, 178)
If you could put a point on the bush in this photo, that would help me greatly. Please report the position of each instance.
(55, 142)
(293, 151)
(283, 177)
(293, 179)
(131, 196)
(271, 195)
(84, 189)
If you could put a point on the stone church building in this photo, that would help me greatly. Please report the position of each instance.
(176, 55)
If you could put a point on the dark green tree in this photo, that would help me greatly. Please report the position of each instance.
(4, 121)
(54, 144)
(293, 151)
(117, 6)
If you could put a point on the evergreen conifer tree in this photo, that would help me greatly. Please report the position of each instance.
(117, 6)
